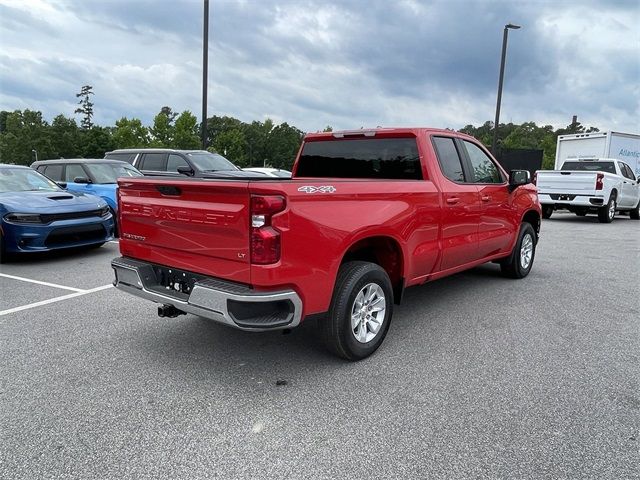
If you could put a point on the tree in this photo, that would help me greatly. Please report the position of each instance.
(97, 141)
(65, 137)
(86, 106)
(282, 146)
(233, 145)
(162, 131)
(130, 134)
(26, 135)
(186, 131)
(328, 128)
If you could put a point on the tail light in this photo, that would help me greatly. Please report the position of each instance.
(600, 181)
(265, 240)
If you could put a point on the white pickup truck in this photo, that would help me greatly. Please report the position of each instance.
(590, 185)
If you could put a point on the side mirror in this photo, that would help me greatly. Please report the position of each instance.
(518, 178)
(81, 180)
(62, 184)
(185, 170)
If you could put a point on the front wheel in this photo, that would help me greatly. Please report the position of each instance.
(635, 213)
(607, 213)
(519, 263)
(547, 211)
(360, 311)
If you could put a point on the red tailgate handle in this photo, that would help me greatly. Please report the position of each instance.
(452, 200)
(486, 198)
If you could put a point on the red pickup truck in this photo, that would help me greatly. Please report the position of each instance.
(366, 214)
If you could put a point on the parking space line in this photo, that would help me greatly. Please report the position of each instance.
(46, 284)
(53, 300)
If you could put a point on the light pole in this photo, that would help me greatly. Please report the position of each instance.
(205, 68)
(507, 27)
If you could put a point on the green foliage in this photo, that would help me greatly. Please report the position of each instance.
(25, 134)
(186, 132)
(86, 106)
(130, 134)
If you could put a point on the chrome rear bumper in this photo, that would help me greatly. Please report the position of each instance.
(226, 302)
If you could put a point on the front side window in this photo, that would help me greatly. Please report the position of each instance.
(448, 158)
(383, 158)
(54, 172)
(73, 171)
(174, 162)
(483, 168)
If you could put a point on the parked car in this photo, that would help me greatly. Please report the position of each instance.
(590, 185)
(270, 172)
(168, 162)
(88, 175)
(366, 214)
(37, 215)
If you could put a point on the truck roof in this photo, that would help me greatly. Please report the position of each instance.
(384, 132)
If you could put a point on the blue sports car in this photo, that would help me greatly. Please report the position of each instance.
(37, 215)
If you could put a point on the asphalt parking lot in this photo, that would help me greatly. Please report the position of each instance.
(479, 377)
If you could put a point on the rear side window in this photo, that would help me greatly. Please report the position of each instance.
(448, 158)
(154, 161)
(125, 157)
(608, 167)
(54, 172)
(383, 158)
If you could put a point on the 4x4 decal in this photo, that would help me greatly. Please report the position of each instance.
(322, 189)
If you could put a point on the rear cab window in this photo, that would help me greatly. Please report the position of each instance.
(379, 158)
(608, 167)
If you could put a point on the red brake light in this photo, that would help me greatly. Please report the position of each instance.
(600, 181)
(265, 240)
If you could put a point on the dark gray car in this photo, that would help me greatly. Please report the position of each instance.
(169, 162)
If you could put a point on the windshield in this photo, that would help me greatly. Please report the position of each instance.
(206, 161)
(109, 172)
(608, 167)
(25, 180)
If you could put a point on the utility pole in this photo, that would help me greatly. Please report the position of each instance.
(494, 144)
(205, 72)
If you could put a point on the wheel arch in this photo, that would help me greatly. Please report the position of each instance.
(384, 251)
(532, 217)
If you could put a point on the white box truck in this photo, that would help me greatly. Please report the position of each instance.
(621, 146)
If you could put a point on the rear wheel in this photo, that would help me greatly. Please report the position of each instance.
(3, 253)
(607, 213)
(547, 211)
(635, 213)
(519, 263)
(360, 311)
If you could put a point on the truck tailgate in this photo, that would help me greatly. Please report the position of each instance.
(190, 224)
(579, 183)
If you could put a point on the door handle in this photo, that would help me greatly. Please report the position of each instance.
(452, 200)
(486, 198)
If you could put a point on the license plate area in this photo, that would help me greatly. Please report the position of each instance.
(175, 280)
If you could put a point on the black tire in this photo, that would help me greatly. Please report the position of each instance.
(547, 211)
(635, 213)
(514, 266)
(3, 253)
(116, 233)
(336, 330)
(607, 213)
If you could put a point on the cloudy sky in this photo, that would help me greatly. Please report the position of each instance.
(345, 63)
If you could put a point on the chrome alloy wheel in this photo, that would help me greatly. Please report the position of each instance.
(526, 251)
(367, 313)
(612, 209)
